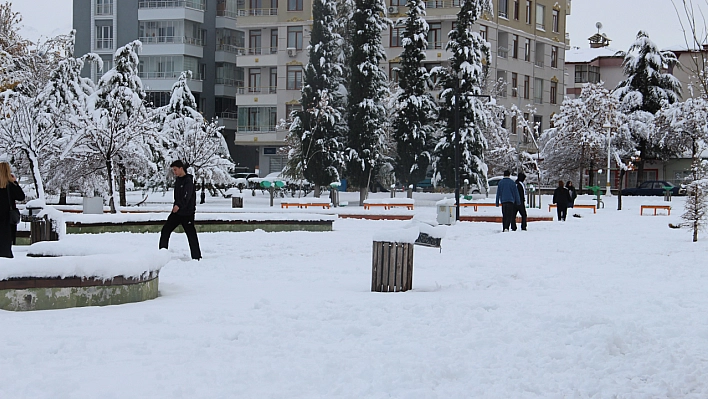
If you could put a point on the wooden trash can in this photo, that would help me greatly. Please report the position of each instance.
(392, 267)
(237, 202)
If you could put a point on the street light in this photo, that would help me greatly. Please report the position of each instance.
(608, 126)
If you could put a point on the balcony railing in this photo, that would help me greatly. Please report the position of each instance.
(172, 39)
(256, 129)
(258, 89)
(229, 115)
(539, 63)
(435, 45)
(227, 14)
(166, 75)
(228, 82)
(196, 5)
(442, 3)
(502, 52)
(104, 9)
(104, 44)
(260, 51)
(257, 12)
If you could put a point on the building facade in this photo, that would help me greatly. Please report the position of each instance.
(247, 58)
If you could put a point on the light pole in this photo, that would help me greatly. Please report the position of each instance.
(609, 151)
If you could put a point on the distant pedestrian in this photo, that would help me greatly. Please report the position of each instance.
(10, 192)
(183, 210)
(508, 197)
(561, 197)
(520, 209)
(572, 192)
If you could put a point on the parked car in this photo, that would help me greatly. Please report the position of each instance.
(654, 187)
(494, 182)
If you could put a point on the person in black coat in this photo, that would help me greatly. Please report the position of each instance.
(572, 192)
(520, 209)
(183, 210)
(10, 191)
(561, 197)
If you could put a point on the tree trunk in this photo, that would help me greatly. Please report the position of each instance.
(363, 193)
(111, 186)
(62, 196)
(121, 186)
(318, 191)
(619, 192)
(36, 176)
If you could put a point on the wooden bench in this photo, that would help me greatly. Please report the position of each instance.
(303, 205)
(593, 207)
(476, 205)
(389, 206)
(655, 207)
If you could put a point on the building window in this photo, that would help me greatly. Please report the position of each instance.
(538, 91)
(538, 122)
(514, 84)
(254, 42)
(483, 31)
(289, 109)
(273, 84)
(554, 92)
(294, 78)
(294, 5)
(527, 88)
(504, 8)
(515, 47)
(104, 37)
(516, 10)
(529, 6)
(257, 119)
(554, 57)
(295, 37)
(104, 7)
(540, 17)
(527, 50)
(435, 36)
(514, 122)
(503, 43)
(540, 54)
(526, 123)
(501, 83)
(399, 3)
(587, 74)
(396, 39)
(556, 19)
(254, 80)
(273, 41)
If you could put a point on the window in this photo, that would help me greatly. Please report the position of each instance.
(587, 74)
(503, 42)
(504, 8)
(257, 119)
(167, 67)
(526, 132)
(230, 75)
(514, 122)
(400, 3)
(556, 16)
(254, 80)
(435, 36)
(483, 31)
(514, 84)
(527, 89)
(554, 57)
(515, 47)
(104, 37)
(104, 7)
(294, 78)
(501, 83)
(554, 92)
(516, 10)
(294, 5)
(254, 42)
(295, 37)
(396, 39)
(527, 49)
(540, 17)
(273, 41)
(538, 122)
(273, 84)
(538, 91)
(529, 6)
(289, 109)
(540, 54)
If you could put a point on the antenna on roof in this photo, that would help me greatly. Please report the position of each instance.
(598, 25)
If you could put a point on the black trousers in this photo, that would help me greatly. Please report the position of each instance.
(6, 239)
(508, 214)
(520, 209)
(562, 211)
(187, 223)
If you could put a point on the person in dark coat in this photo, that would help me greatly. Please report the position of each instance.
(520, 209)
(10, 191)
(561, 197)
(183, 210)
(572, 192)
(508, 197)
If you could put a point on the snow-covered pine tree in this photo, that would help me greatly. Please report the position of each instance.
(696, 209)
(681, 128)
(117, 129)
(314, 128)
(367, 89)
(462, 81)
(416, 109)
(646, 87)
(187, 136)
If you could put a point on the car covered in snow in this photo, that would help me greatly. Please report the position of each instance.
(654, 187)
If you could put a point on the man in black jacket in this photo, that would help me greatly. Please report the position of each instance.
(183, 210)
(520, 209)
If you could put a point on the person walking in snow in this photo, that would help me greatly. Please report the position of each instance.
(561, 197)
(520, 209)
(10, 191)
(508, 197)
(183, 210)
(572, 192)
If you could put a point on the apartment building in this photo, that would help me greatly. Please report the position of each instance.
(247, 57)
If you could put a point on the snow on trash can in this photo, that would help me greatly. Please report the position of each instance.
(446, 211)
(392, 260)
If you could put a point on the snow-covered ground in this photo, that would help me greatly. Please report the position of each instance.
(611, 305)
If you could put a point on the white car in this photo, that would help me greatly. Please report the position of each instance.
(494, 182)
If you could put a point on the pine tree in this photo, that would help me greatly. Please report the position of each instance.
(367, 89)
(696, 208)
(462, 82)
(314, 128)
(416, 108)
(647, 87)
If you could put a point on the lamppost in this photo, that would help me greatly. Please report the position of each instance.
(608, 126)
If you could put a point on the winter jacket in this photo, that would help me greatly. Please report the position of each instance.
(185, 195)
(561, 197)
(15, 194)
(507, 192)
(520, 186)
(573, 194)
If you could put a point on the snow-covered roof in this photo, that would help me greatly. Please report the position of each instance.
(579, 55)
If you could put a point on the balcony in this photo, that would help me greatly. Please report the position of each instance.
(103, 10)
(502, 52)
(171, 10)
(539, 63)
(229, 120)
(442, 4)
(257, 12)
(225, 87)
(160, 45)
(264, 135)
(226, 19)
(258, 56)
(163, 81)
(255, 96)
(104, 45)
(258, 90)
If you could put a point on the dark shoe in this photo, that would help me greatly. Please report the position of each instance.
(523, 230)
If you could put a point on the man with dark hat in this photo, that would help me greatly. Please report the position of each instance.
(183, 210)
(520, 209)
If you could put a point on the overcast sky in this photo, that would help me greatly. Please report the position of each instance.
(621, 20)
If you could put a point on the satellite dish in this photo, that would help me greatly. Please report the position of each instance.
(598, 26)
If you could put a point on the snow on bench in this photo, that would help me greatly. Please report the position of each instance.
(306, 202)
(389, 203)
